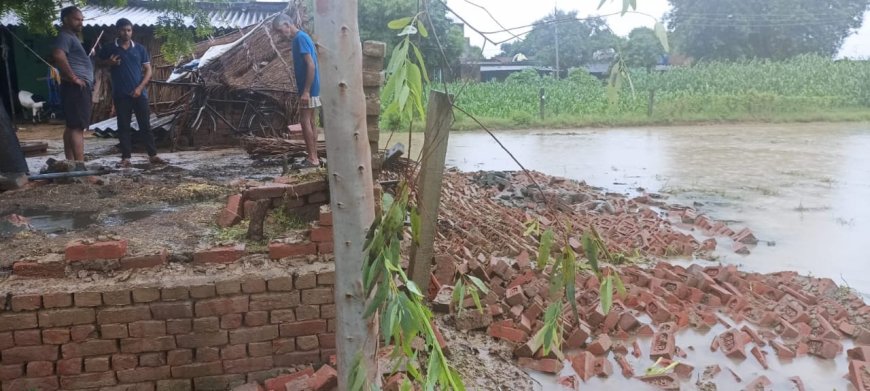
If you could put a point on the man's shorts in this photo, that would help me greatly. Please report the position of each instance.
(313, 103)
(76, 103)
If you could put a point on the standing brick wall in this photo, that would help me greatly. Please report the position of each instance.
(211, 336)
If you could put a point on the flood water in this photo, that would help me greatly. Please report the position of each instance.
(804, 188)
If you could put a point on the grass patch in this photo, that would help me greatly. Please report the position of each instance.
(278, 224)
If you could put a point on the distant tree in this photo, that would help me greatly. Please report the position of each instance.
(774, 29)
(642, 49)
(578, 40)
(375, 14)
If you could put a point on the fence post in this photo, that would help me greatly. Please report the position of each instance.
(439, 117)
(542, 98)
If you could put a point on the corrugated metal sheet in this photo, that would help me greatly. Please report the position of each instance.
(237, 16)
(111, 124)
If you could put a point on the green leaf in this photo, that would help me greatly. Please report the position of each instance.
(413, 288)
(620, 288)
(415, 85)
(606, 295)
(400, 23)
(476, 299)
(459, 296)
(544, 248)
(422, 29)
(456, 380)
(420, 62)
(404, 93)
(376, 301)
(531, 227)
(398, 58)
(478, 283)
(662, 34)
(386, 201)
(591, 250)
(570, 272)
(601, 4)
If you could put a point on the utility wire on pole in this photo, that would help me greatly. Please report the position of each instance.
(556, 26)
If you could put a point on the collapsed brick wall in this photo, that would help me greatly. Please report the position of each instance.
(163, 336)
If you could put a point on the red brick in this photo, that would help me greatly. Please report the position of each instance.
(55, 336)
(308, 327)
(89, 348)
(602, 367)
(152, 344)
(6, 340)
(147, 328)
(321, 234)
(583, 364)
(17, 321)
(174, 385)
(27, 338)
(858, 374)
(113, 331)
(88, 299)
(23, 354)
(66, 317)
(124, 361)
(514, 296)
(202, 291)
(48, 383)
(152, 360)
(179, 357)
(250, 386)
(245, 365)
(292, 250)
(117, 298)
(144, 261)
(174, 293)
(306, 312)
(206, 325)
(505, 332)
(124, 314)
(56, 300)
(143, 374)
(327, 341)
(232, 213)
(179, 326)
(40, 368)
(97, 364)
(77, 251)
(253, 285)
(662, 345)
(325, 219)
(11, 372)
(306, 281)
(732, 344)
(218, 383)
(256, 318)
(39, 269)
(231, 321)
(259, 349)
(82, 332)
(172, 310)
(760, 383)
(546, 365)
(197, 370)
(253, 334)
(325, 248)
(280, 284)
(207, 354)
(221, 306)
(69, 366)
(219, 254)
(318, 198)
(274, 301)
(318, 296)
(26, 302)
(297, 358)
(234, 352)
(284, 345)
(271, 190)
(145, 295)
(307, 343)
(198, 340)
(327, 311)
(225, 288)
(278, 383)
(89, 380)
(326, 378)
(601, 345)
(824, 348)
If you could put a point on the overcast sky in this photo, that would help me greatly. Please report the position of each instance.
(513, 13)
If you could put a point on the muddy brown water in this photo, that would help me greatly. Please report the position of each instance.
(804, 189)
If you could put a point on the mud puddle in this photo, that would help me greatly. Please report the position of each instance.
(802, 188)
(61, 221)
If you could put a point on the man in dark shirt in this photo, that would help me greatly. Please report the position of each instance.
(307, 73)
(77, 81)
(130, 67)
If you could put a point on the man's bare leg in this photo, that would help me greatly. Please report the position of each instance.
(74, 144)
(309, 133)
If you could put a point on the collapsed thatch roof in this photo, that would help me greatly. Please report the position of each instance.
(252, 58)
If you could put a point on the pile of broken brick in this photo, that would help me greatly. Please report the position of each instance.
(783, 313)
(790, 315)
(475, 213)
(304, 379)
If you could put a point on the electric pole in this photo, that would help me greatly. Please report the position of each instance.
(556, 27)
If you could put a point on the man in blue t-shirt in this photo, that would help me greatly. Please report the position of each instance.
(307, 74)
(130, 67)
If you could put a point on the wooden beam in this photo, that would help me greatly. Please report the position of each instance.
(439, 118)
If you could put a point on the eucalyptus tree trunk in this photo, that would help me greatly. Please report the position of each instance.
(350, 177)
